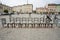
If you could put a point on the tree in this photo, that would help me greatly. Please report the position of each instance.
(6, 11)
(12, 12)
(34, 11)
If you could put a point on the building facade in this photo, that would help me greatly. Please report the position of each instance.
(58, 8)
(42, 10)
(24, 20)
(5, 7)
(51, 8)
(26, 8)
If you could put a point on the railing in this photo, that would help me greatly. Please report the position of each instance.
(24, 25)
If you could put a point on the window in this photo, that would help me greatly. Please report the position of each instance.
(3, 21)
(51, 9)
(29, 19)
(12, 19)
(35, 20)
(17, 19)
(24, 19)
(1, 7)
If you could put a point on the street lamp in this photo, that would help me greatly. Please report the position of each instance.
(27, 1)
(0, 2)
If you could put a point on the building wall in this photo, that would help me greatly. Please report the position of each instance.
(5, 17)
(58, 8)
(1, 8)
(52, 8)
(41, 10)
(5, 7)
(0, 24)
(16, 8)
(27, 8)
(24, 18)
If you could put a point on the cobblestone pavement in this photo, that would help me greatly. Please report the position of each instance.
(30, 34)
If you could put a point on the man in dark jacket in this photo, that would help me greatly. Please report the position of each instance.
(48, 19)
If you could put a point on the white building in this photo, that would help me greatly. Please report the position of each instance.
(26, 8)
(24, 19)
